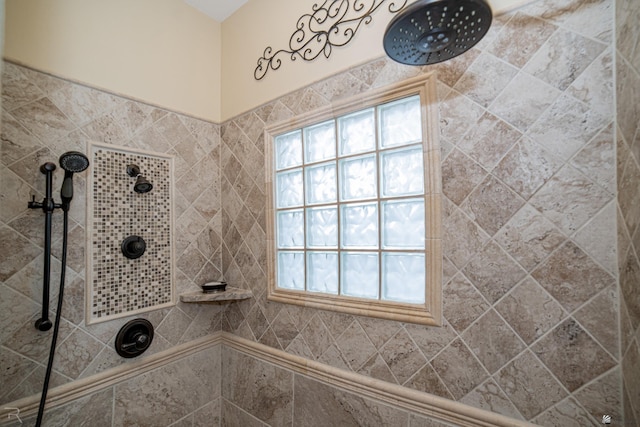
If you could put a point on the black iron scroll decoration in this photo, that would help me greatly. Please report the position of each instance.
(332, 23)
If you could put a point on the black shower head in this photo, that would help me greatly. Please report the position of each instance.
(142, 184)
(71, 162)
(74, 161)
(431, 31)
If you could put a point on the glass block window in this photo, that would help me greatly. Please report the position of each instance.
(355, 209)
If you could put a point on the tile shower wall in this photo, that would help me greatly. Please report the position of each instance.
(530, 269)
(42, 117)
(628, 146)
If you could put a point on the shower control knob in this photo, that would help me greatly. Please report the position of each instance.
(134, 338)
(133, 247)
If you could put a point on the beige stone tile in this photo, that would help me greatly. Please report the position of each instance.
(95, 410)
(482, 86)
(32, 383)
(493, 272)
(529, 237)
(490, 397)
(16, 142)
(567, 126)
(569, 199)
(491, 205)
(14, 368)
(19, 91)
(627, 90)
(458, 113)
(603, 396)
(82, 104)
(257, 321)
(529, 385)
(520, 38)
(35, 344)
(231, 415)
(150, 139)
(629, 195)
(449, 72)
(431, 339)
(75, 353)
(376, 367)
(572, 355)
(15, 252)
(597, 239)
(402, 356)
(526, 167)
(462, 238)
(173, 326)
(631, 371)
(317, 336)
(597, 159)
(379, 331)
(355, 346)
(563, 58)
(284, 328)
(492, 341)
(462, 303)
(144, 398)
(567, 413)
(333, 357)
(420, 421)
(458, 369)
(263, 390)
(317, 404)
(629, 279)
(209, 414)
(595, 87)
(460, 175)
(489, 140)
(428, 381)
(530, 310)
(571, 276)
(523, 101)
(107, 129)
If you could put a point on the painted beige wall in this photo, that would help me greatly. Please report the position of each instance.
(260, 23)
(159, 51)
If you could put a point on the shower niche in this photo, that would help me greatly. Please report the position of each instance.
(125, 277)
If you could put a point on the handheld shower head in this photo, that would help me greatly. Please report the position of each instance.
(71, 162)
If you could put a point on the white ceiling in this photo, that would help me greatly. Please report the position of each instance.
(217, 9)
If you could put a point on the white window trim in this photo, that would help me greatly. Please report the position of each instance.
(429, 313)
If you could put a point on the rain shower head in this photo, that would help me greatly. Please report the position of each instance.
(71, 162)
(431, 31)
(142, 184)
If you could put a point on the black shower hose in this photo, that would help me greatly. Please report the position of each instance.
(56, 326)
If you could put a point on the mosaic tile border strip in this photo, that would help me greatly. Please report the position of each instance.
(116, 285)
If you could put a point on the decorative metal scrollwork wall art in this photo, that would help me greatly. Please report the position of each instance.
(333, 23)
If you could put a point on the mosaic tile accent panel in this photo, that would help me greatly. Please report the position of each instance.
(119, 285)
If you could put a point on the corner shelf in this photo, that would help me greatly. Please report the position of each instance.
(230, 294)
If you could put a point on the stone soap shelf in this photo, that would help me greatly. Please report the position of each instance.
(230, 294)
